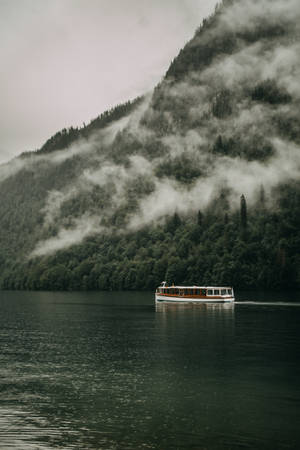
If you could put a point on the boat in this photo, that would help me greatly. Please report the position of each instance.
(194, 294)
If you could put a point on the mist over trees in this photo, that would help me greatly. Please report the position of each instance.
(197, 182)
(213, 250)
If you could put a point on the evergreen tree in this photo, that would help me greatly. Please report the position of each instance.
(199, 218)
(173, 223)
(243, 212)
(262, 196)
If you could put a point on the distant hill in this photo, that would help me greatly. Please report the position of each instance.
(196, 183)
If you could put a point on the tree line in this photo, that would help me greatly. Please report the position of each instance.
(255, 247)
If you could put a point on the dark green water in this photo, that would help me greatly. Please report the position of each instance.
(109, 371)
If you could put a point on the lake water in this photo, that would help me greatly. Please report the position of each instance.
(111, 371)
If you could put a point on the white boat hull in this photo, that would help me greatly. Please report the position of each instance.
(166, 298)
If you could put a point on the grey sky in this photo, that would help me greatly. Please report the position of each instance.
(63, 62)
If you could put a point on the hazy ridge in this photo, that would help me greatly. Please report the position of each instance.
(152, 189)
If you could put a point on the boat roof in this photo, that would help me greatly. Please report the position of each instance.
(198, 287)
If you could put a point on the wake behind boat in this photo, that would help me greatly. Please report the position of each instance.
(195, 294)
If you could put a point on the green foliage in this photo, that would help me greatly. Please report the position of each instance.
(64, 138)
(157, 121)
(268, 91)
(221, 107)
(251, 149)
(213, 41)
(199, 218)
(113, 114)
(288, 125)
(202, 50)
(173, 223)
(243, 212)
(257, 246)
(183, 250)
(183, 169)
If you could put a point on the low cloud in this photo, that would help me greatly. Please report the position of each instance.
(67, 237)
(94, 148)
(237, 175)
(54, 202)
(10, 168)
(247, 14)
(193, 128)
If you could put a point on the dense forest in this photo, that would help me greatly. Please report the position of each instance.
(196, 183)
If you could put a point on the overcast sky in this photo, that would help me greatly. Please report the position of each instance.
(63, 62)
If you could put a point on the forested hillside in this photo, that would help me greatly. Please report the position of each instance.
(197, 182)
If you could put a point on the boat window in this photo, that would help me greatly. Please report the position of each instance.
(209, 292)
(229, 292)
(186, 291)
(223, 291)
(203, 291)
(216, 292)
(197, 291)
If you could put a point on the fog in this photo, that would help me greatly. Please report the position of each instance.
(250, 123)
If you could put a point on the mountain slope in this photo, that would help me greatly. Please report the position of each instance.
(152, 189)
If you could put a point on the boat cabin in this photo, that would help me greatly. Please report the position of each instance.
(194, 291)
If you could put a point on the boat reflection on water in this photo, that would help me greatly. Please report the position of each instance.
(165, 307)
(205, 324)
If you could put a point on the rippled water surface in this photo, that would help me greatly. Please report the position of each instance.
(111, 371)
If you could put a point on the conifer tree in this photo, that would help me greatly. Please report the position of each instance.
(262, 197)
(243, 211)
(199, 218)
